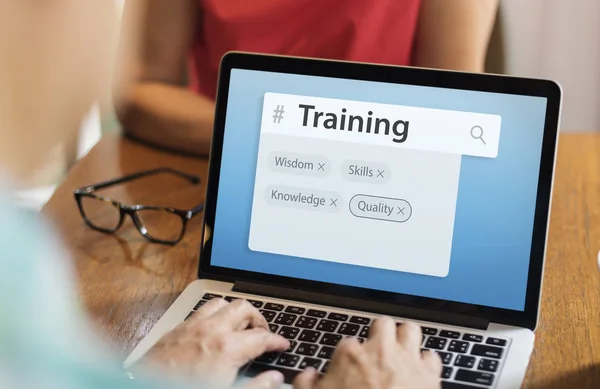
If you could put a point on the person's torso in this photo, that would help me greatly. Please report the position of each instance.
(380, 31)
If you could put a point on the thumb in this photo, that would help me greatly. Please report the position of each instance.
(307, 379)
(267, 380)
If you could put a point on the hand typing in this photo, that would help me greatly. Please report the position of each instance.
(215, 342)
(389, 359)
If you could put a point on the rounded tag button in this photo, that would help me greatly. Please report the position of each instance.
(367, 172)
(303, 198)
(380, 208)
(301, 164)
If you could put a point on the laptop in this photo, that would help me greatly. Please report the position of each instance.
(338, 192)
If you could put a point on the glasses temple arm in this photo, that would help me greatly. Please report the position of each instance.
(135, 176)
(197, 210)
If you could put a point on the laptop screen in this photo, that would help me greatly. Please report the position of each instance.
(417, 190)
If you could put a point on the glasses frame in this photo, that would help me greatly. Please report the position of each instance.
(132, 210)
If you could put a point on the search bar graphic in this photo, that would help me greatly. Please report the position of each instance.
(438, 130)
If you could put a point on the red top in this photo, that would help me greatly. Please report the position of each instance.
(380, 31)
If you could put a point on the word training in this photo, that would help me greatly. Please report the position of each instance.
(346, 122)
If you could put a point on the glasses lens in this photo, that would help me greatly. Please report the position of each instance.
(161, 224)
(101, 214)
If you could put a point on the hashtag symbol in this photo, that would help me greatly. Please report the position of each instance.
(278, 114)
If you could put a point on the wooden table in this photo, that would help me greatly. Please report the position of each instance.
(127, 283)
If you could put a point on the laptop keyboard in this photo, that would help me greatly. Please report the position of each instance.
(470, 360)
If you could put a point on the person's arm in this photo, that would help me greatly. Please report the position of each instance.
(155, 107)
(454, 34)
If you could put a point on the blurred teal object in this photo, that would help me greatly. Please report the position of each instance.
(45, 340)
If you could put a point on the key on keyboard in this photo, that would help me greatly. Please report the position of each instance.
(289, 360)
(450, 334)
(445, 357)
(496, 341)
(310, 362)
(330, 339)
(289, 332)
(269, 315)
(306, 322)
(326, 352)
(360, 320)
(285, 318)
(349, 329)
(464, 361)
(327, 325)
(255, 303)
(296, 310)
(487, 351)
(316, 313)
(337, 316)
(458, 347)
(474, 377)
(309, 336)
(436, 343)
(473, 338)
(364, 333)
(488, 364)
(274, 307)
(429, 331)
(309, 349)
(447, 372)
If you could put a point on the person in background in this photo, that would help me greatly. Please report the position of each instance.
(191, 36)
(55, 60)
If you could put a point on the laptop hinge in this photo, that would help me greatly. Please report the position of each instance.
(383, 308)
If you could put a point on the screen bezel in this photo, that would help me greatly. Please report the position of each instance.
(407, 76)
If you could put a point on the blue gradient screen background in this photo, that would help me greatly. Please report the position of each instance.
(496, 197)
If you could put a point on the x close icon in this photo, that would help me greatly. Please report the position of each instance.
(400, 210)
(333, 202)
(380, 173)
(321, 166)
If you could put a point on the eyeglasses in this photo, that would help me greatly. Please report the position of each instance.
(157, 224)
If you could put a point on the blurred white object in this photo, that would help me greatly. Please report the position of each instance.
(90, 132)
(49, 176)
(35, 198)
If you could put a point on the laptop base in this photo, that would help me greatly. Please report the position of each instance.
(510, 374)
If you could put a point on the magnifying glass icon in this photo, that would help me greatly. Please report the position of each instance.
(477, 133)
